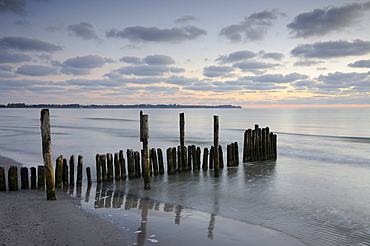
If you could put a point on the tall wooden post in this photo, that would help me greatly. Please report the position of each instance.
(216, 143)
(47, 154)
(182, 152)
(79, 170)
(146, 157)
(72, 170)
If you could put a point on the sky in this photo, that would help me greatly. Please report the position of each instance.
(271, 53)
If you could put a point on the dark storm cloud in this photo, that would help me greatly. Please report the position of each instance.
(14, 6)
(360, 63)
(217, 71)
(10, 57)
(27, 44)
(273, 55)
(83, 30)
(323, 21)
(236, 56)
(253, 28)
(185, 18)
(37, 70)
(155, 34)
(332, 49)
(158, 60)
(82, 65)
(131, 60)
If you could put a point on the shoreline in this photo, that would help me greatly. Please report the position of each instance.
(27, 218)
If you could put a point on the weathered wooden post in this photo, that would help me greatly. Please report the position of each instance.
(190, 154)
(182, 151)
(174, 159)
(122, 164)
(25, 185)
(138, 164)
(179, 159)
(79, 170)
(145, 159)
(160, 161)
(41, 177)
(13, 178)
(117, 167)
(110, 166)
(65, 173)
(2, 179)
(88, 175)
(153, 157)
(98, 168)
(220, 156)
(103, 166)
(205, 159)
(211, 157)
(59, 172)
(47, 154)
(130, 163)
(72, 170)
(33, 177)
(216, 143)
(169, 161)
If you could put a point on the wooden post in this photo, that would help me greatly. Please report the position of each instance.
(13, 178)
(130, 163)
(41, 177)
(220, 157)
(2, 179)
(72, 170)
(211, 157)
(65, 173)
(205, 159)
(190, 154)
(47, 154)
(160, 161)
(179, 159)
(122, 164)
(236, 153)
(33, 177)
(103, 166)
(174, 159)
(145, 159)
(98, 168)
(198, 157)
(25, 185)
(117, 167)
(216, 143)
(137, 164)
(79, 170)
(110, 166)
(88, 174)
(153, 157)
(59, 172)
(182, 152)
(169, 161)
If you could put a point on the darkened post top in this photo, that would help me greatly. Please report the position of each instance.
(141, 126)
(47, 154)
(145, 139)
(216, 144)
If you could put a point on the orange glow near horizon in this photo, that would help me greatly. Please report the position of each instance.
(308, 106)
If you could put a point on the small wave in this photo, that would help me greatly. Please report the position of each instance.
(348, 138)
(108, 119)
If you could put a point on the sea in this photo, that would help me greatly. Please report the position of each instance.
(317, 191)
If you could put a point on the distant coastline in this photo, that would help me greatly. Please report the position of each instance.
(23, 105)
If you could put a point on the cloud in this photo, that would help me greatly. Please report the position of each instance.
(95, 82)
(320, 22)
(154, 34)
(360, 63)
(217, 71)
(15, 6)
(143, 70)
(254, 66)
(131, 59)
(185, 18)
(83, 30)
(37, 70)
(7, 68)
(332, 49)
(339, 78)
(273, 55)
(82, 65)
(10, 57)
(158, 60)
(21, 23)
(253, 28)
(236, 56)
(27, 44)
(277, 78)
(180, 80)
(307, 63)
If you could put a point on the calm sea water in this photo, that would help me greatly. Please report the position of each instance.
(318, 190)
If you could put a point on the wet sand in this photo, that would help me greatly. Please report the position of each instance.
(27, 218)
